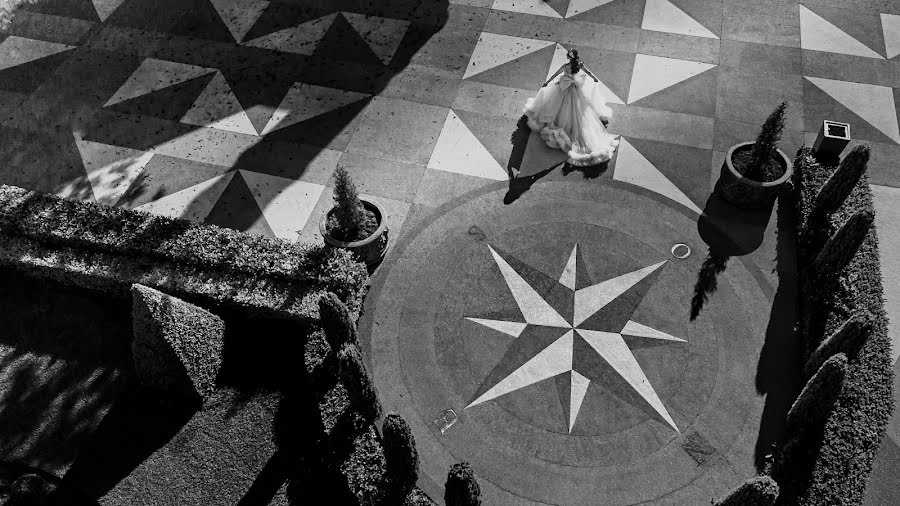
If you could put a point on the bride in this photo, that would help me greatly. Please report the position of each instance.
(570, 115)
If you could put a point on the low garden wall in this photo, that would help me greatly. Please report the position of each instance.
(836, 464)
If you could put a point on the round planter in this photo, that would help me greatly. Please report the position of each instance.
(370, 250)
(748, 193)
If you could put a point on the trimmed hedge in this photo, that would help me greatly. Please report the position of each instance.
(109, 248)
(337, 322)
(177, 346)
(360, 388)
(757, 491)
(462, 488)
(852, 435)
(401, 457)
(818, 396)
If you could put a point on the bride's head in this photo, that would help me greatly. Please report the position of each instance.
(574, 61)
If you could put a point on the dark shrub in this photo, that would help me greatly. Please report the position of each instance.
(757, 491)
(350, 220)
(360, 389)
(364, 468)
(841, 183)
(177, 346)
(401, 456)
(847, 339)
(764, 162)
(28, 490)
(831, 466)
(337, 322)
(462, 488)
(418, 498)
(818, 396)
(842, 245)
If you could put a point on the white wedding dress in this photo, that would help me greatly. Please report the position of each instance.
(567, 113)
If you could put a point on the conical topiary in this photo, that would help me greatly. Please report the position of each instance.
(757, 491)
(337, 322)
(401, 456)
(847, 339)
(841, 183)
(763, 165)
(356, 380)
(349, 215)
(462, 488)
(818, 396)
(837, 252)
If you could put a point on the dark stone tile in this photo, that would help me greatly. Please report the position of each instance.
(426, 85)
(763, 21)
(373, 176)
(819, 106)
(685, 166)
(618, 13)
(491, 99)
(707, 13)
(696, 96)
(52, 28)
(862, 25)
(729, 133)
(750, 97)
(527, 72)
(165, 175)
(761, 58)
(398, 130)
(845, 67)
(683, 47)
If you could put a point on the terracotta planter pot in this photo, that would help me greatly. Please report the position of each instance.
(370, 250)
(748, 193)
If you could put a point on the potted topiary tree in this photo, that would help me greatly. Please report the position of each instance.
(353, 223)
(755, 173)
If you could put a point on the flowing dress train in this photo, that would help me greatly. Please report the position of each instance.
(568, 115)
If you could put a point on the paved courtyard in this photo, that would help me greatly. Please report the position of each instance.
(549, 312)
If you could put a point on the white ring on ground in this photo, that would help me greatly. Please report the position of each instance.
(686, 254)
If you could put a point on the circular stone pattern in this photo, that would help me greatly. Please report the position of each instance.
(557, 330)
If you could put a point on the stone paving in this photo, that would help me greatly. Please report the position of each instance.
(235, 112)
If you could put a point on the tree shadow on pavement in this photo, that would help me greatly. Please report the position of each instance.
(728, 231)
(778, 373)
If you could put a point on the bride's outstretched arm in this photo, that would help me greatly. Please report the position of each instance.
(558, 72)
(588, 71)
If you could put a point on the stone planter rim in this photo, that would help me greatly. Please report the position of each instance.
(788, 168)
(379, 215)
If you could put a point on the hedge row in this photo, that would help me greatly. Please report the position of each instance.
(853, 432)
(108, 248)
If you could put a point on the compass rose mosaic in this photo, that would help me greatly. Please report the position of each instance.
(592, 325)
(557, 331)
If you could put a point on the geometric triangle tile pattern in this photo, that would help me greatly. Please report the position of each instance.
(218, 108)
(17, 50)
(818, 34)
(111, 169)
(633, 167)
(890, 26)
(286, 204)
(193, 203)
(493, 50)
(655, 73)
(576, 7)
(239, 15)
(304, 101)
(301, 39)
(154, 75)
(383, 35)
(560, 58)
(459, 151)
(106, 7)
(534, 7)
(875, 104)
(662, 16)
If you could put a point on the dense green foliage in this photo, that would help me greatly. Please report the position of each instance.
(108, 248)
(360, 388)
(833, 465)
(337, 322)
(764, 155)
(847, 339)
(462, 488)
(757, 491)
(841, 183)
(840, 248)
(349, 215)
(177, 346)
(818, 396)
(401, 457)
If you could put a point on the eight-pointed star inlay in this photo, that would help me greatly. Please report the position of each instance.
(594, 319)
